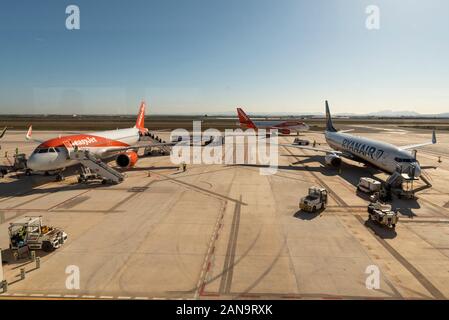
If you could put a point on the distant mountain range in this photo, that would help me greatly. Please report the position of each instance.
(391, 113)
(383, 113)
(233, 114)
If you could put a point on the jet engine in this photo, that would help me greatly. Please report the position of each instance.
(284, 131)
(127, 159)
(332, 160)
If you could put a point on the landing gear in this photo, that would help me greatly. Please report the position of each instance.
(28, 172)
(60, 177)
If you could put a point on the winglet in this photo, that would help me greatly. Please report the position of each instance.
(329, 125)
(3, 132)
(30, 131)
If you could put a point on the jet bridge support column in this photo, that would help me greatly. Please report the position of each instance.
(1, 266)
(3, 282)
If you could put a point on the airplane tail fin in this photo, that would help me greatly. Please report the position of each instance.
(245, 121)
(329, 125)
(140, 122)
(29, 133)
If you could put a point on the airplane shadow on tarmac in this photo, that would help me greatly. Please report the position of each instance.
(29, 186)
(349, 172)
(8, 258)
(152, 168)
(23, 185)
(405, 207)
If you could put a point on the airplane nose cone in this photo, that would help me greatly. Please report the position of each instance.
(31, 162)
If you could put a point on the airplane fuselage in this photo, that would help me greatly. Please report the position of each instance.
(282, 126)
(52, 155)
(383, 155)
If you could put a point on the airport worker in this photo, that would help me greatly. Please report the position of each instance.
(314, 143)
(184, 166)
(21, 235)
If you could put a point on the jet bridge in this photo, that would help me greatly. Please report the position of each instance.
(92, 167)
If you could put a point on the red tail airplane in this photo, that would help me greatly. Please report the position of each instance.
(285, 127)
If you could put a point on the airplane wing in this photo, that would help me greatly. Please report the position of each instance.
(141, 145)
(414, 146)
(344, 131)
(3, 132)
(28, 135)
(327, 151)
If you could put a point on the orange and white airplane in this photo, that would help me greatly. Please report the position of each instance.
(53, 155)
(284, 127)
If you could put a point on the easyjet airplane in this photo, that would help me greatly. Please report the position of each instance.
(52, 155)
(284, 127)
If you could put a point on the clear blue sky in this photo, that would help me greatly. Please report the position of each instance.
(213, 55)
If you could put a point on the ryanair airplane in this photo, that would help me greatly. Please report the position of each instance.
(385, 156)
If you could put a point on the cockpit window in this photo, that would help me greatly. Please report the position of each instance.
(46, 150)
(406, 160)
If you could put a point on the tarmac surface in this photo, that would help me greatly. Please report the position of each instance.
(228, 232)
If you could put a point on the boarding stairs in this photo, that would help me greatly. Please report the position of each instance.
(92, 166)
(155, 139)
